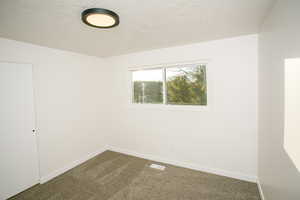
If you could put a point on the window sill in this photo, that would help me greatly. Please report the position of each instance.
(169, 107)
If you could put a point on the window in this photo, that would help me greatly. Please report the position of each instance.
(292, 109)
(176, 85)
(148, 86)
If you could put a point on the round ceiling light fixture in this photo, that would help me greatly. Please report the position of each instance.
(100, 18)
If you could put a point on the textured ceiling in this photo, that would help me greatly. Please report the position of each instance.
(144, 24)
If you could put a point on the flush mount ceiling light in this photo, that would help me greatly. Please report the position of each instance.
(100, 18)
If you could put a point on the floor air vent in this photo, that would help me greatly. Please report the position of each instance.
(159, 167)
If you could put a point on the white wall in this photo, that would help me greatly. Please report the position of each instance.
(71, 97)
(222, 139)
(78, 114)
(279, 39)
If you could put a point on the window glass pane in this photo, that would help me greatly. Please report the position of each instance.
(186, 85)
(148, 86)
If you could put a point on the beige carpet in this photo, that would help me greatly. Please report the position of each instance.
(115, 176)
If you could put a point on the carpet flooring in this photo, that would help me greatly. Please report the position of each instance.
(115, 176)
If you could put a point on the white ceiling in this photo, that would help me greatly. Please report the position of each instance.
(144, 24)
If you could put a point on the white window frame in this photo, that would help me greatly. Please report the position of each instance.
(165, 106)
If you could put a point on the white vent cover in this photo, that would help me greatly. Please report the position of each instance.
(159, 167)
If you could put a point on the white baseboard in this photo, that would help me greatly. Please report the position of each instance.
(221, 172)
(70, 166)
(261, 193)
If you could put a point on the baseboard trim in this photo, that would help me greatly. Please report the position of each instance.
(220, 172)
(261, 193)
(73, 164)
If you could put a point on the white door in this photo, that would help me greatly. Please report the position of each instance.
(18, 144)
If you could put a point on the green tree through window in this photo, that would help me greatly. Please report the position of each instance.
(148, 92)
(185, 85)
